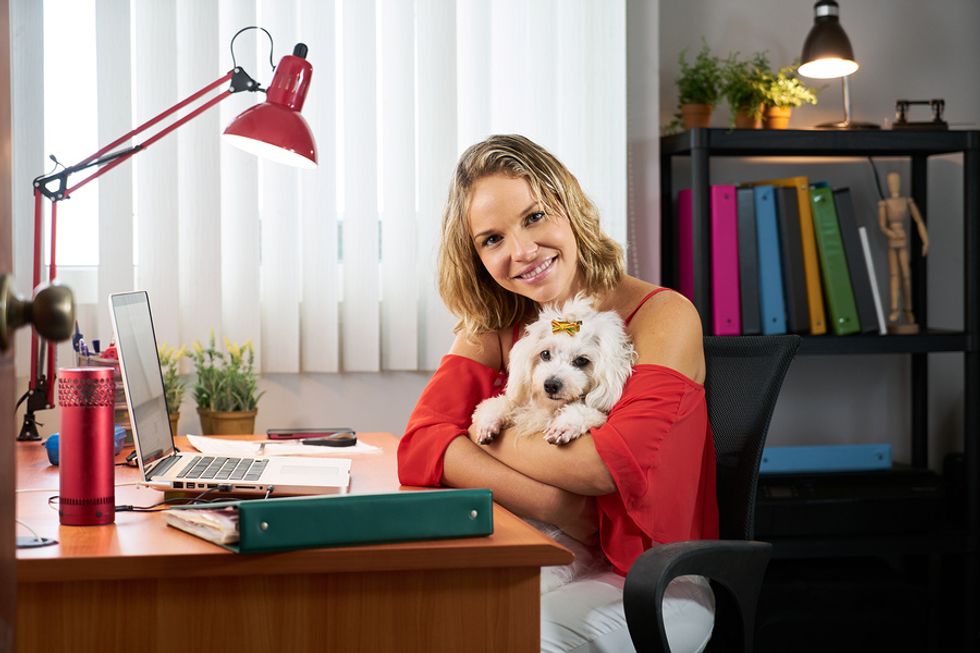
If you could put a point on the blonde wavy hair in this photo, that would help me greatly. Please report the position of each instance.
(466, 287)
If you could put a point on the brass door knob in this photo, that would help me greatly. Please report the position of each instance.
(52, 311)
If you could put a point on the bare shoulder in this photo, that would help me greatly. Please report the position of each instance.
(484, 348)
(666, 331)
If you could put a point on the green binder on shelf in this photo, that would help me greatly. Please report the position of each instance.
(267, 525)
(841, 309)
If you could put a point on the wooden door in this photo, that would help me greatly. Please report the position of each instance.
(7, 378)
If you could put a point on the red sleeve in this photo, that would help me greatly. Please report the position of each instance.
(657, 444)
(443, 412)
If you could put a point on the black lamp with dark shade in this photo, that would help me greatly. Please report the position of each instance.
(827, 53)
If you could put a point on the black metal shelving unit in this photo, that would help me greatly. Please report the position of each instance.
(699, 146)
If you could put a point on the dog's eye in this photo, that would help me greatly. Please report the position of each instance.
(581, 361)
(546, 355)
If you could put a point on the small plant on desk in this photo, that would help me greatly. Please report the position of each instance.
(226, 387)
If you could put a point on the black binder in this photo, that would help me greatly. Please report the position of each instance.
(863, 297)
(791, 246)
(748, 263)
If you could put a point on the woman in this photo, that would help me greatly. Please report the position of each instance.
(518, 233)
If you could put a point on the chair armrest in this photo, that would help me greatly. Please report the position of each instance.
(735, 567)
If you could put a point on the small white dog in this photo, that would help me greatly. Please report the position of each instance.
(566, 373)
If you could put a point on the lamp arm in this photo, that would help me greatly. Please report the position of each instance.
(105, 160)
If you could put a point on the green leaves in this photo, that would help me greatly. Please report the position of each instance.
(173, 385)
(226, 381)
(700, 82)
(744, 83)
(785, 89)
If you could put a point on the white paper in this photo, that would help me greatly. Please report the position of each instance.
(254, 448)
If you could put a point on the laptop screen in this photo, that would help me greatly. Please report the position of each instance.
(137, 347)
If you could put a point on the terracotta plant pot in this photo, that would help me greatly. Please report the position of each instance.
(777, 117)
(695, 115)
(227, 423)
(174, 418)
(748, 120)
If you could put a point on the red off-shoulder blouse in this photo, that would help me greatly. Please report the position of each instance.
(657, 445)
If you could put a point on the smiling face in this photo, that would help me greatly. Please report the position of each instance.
(525, 250)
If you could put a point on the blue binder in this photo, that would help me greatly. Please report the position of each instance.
(826, 458)
(771, 302)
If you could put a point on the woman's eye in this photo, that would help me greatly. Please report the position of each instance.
(581, 361)
(491, 240)
(546, 355)
(534, 217)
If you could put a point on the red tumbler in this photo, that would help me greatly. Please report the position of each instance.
(87, 495)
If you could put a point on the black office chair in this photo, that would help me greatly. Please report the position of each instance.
(744, 375)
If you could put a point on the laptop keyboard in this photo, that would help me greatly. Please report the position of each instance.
(223, 468)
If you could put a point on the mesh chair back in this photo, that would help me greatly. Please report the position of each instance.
(744, 375)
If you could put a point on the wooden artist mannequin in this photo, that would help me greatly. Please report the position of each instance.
(892, 214)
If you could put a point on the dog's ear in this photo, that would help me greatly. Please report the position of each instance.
(521, 365)
(613, 365)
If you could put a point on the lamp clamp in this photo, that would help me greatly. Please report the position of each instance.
(242, 81)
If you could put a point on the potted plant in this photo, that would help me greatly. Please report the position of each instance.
(226, 387)
(173, 385)
(784, 92)
(744, 87)
(699, 87)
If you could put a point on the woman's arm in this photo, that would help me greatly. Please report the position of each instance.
(466, 464)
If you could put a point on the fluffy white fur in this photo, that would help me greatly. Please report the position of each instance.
(560, 384)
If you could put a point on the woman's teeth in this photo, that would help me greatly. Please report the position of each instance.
(538, 270)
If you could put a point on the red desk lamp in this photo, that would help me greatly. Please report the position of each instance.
(273, 129)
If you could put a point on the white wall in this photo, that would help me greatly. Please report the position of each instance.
(907, 49)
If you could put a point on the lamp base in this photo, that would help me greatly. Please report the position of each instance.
(849, 124)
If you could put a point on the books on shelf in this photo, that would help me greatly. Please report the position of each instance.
(860, 281)
(762, 236)
(870, 266)
(841, 310)
(748, 262)
(772, 306)
(725, 307)
(794, 274)
(811, 265)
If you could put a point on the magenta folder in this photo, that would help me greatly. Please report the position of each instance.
(725, 300)
(685, 248)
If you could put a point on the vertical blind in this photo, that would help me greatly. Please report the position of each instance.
(331, 269)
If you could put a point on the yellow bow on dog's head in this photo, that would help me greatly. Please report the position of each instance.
(571, 328)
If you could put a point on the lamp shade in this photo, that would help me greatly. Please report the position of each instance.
(827, 51)
(275, 129)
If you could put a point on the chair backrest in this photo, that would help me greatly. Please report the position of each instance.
(744, 375)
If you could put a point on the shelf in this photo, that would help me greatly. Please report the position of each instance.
(872, 545)
(819, 142)
(929, 342)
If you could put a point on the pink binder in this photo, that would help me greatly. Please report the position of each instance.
(685, 248)
(725, 299)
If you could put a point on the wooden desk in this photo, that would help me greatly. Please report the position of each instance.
(139, 585)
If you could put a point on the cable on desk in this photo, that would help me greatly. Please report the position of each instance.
(24, 542)
(200, 498)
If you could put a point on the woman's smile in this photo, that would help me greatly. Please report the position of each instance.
(537, 272)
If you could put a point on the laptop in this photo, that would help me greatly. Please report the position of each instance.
(161, 465)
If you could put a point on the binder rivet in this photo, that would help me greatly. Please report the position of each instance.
(264, 526)
(473, 514)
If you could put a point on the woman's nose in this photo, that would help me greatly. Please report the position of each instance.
(523, 249)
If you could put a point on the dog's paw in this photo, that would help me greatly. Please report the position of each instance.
(562, 434)
(572, 421)
(490, 418)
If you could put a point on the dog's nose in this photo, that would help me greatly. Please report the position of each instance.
(552, 386)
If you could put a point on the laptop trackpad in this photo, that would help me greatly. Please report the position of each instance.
(308, 474)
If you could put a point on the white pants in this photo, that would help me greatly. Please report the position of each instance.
(582, 607)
